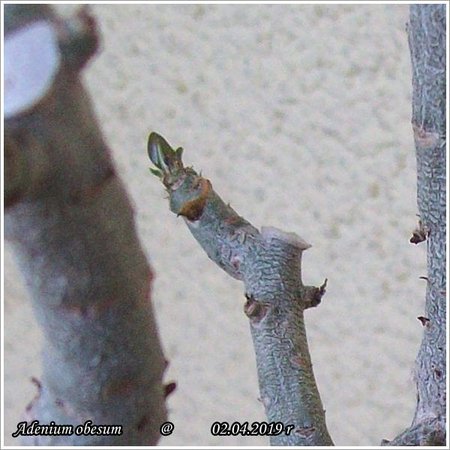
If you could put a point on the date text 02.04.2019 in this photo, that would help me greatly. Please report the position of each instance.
(250, 429)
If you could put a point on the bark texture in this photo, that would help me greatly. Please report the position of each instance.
(269, 264)
(71, 225)
(427, 41)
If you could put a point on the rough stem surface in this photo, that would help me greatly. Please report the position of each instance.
(427, 42)
(72, 229)
(269, 264)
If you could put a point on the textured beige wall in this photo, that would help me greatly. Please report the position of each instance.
(300, 116)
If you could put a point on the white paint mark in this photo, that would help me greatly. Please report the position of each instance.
(32, 60)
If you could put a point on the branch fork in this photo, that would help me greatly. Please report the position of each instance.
(269, 264)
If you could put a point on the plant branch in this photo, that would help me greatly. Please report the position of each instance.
(269, 264)
(427, 42)
(71, 225)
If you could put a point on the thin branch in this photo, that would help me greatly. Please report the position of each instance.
(269, 264)
(71, 226)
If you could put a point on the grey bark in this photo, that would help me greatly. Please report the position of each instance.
(427, 41)
(269, 264)
(72, 229)
(71, 225)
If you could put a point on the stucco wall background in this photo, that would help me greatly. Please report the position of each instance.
(300, 117)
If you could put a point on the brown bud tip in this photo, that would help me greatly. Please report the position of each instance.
(255, 310)
(420, 234)
(423, 320)
(169, 388)
(36, 382)
(417, 237)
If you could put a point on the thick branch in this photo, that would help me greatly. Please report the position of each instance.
(269, 264)
(427, 41)
(71, 225)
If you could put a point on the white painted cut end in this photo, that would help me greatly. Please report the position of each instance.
(269, 233)
(32, 59)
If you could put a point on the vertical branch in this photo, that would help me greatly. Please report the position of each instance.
(71, 226)
(427, 42)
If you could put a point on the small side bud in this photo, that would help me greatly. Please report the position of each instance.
(169, 388)
(312, 295)
(423, 320)
(155, 172)
(420, 234)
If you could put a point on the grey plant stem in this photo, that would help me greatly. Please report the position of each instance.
(427, 42)
(71, 226)
(269, 264)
